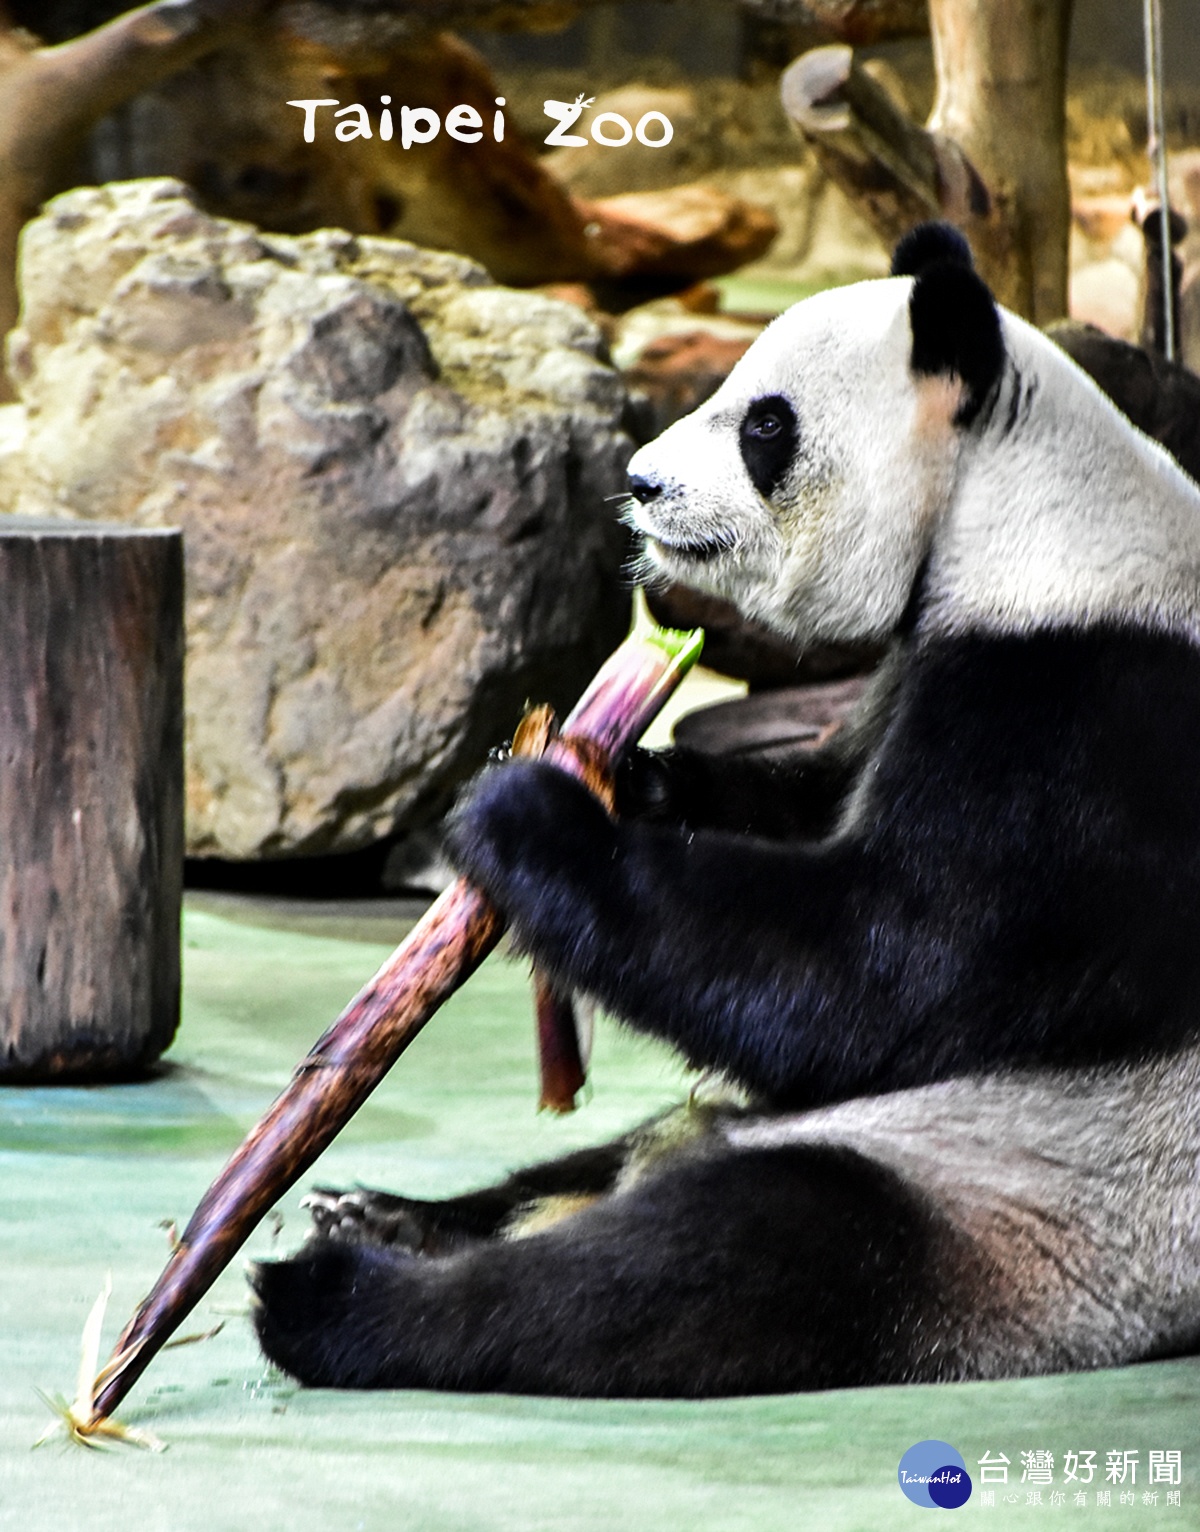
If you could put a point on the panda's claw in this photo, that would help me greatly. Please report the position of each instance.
(364, 1217)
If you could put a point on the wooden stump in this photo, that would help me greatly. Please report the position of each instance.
(91, 797)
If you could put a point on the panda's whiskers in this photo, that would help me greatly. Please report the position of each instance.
(640, 569)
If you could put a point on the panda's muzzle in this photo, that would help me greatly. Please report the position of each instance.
(699, 550)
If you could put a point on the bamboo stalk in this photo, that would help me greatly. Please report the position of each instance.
(349, 1060)
(560, 1059)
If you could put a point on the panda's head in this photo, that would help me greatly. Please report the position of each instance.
(806, 490)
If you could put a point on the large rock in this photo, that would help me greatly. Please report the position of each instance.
(391, 474)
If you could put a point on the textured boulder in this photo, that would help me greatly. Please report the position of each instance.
(391, 474)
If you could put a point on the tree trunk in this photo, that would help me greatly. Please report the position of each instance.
(1001, 96)
(91, 797)
(992, 157)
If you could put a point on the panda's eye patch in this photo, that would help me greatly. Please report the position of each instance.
(767, 437)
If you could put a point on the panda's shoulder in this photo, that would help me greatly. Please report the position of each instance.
(1063, 678)
(1060, 715)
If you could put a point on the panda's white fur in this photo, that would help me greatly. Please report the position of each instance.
(953, 957)
(1060, 514)
(835, 558)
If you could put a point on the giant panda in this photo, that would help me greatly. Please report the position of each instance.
(952, 959)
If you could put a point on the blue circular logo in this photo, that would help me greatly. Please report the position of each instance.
(934, 1475)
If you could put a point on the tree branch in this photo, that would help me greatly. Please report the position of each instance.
(52, 96)
(899, 174)
(851, 21)
(859, 22)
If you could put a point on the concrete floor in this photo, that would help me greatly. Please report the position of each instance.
(87, 1174)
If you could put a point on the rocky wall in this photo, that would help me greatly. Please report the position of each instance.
(392, 478)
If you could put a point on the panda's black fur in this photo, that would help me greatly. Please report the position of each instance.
(952, 958)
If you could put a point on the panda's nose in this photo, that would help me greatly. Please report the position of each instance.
(643, 490)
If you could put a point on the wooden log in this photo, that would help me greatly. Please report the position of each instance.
(898, 173)
(91, 797)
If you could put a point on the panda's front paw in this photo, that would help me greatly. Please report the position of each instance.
(526, 833)
(324, 1315)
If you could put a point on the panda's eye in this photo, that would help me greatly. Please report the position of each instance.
(768, 437)
(765, 427)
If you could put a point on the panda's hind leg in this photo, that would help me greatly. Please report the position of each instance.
(530, 1197)
(715, 1272)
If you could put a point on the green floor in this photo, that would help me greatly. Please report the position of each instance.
(88, 1174)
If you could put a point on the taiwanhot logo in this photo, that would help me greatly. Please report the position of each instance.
(934, 1475)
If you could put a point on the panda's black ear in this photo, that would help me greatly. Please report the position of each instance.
(956, 330)
(929, 243)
